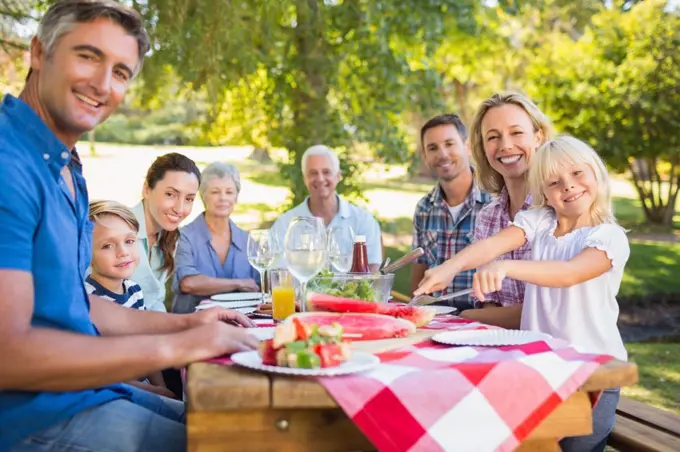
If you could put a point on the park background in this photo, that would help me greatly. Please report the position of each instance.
(256, 82)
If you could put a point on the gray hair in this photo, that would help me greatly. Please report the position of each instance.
(219, 170)
(320, 149)
(63, 16)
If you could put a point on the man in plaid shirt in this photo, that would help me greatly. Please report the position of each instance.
(444, 220)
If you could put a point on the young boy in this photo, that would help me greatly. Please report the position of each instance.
(114, 259)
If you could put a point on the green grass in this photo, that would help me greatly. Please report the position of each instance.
(630, 215)
(659, 370)
(402, 279)
(652, 268)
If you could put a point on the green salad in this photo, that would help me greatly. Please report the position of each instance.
(356, 290)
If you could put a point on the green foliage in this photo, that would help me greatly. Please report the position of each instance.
(301, 72)
(622, 96)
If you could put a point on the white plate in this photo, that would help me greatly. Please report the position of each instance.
(237, 296)
(359, 362)
(443, 309)
(247, 310)
(263, 333)
(230, 304)
(489, 337)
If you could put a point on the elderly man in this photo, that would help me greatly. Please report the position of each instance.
(321, 172)
(445, 218)
(63, 356)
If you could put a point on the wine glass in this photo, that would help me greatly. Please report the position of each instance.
(340, 247)
(261, 253)
(305, 251)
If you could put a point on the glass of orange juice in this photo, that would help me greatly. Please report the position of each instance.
(283, 293)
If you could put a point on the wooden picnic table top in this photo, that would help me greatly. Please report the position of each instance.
(214, 387)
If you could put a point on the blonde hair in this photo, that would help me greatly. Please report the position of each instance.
(102, 208)
(569, 150)
(488, 178)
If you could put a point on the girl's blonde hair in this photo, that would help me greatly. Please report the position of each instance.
(102, 208)
(566, 150)
(488, 178)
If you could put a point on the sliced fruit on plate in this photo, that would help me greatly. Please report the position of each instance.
(305, 346)
(419, 315)
(358, 326)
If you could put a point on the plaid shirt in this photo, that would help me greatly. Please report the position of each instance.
(490, 221)
(441, 236)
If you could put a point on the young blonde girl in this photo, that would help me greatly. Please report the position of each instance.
(578, 254)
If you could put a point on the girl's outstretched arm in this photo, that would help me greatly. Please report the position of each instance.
(478, 253)
(588, 264)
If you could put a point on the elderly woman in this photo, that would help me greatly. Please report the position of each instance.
(212, 252)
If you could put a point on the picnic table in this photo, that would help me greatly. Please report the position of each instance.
(232, 408)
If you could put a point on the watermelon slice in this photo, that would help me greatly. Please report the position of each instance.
(359, 326)
(330, 303)
(419, 315)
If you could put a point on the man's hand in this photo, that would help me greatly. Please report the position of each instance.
(216, 339)
(489, 278)
(248, 285)
(218, 314)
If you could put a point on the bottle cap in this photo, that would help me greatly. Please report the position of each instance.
(360, 239)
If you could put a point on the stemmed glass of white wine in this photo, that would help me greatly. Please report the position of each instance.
(261, 253)
(340, 246)
(304, 251)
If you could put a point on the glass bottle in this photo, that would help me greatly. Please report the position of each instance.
(360, 256)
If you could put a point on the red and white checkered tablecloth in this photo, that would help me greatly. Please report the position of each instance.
(431, 397)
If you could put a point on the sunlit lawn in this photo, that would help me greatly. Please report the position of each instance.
(659, 370)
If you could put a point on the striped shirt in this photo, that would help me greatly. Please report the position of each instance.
(441, 235)
(131, 297)
(491, 220)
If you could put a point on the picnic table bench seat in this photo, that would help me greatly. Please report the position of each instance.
(644, 428)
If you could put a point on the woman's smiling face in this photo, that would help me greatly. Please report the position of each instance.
(509, 140)
(171, 199)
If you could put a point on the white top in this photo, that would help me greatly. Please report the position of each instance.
(584, 314)
(455, 211)
(148, 273)
(361, 221)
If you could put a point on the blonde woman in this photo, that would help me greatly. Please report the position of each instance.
(506, 131)
(578, 254)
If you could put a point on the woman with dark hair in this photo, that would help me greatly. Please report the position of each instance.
(168, 196)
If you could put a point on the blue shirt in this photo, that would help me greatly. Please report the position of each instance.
(132, 296)
(196, 256)
(45, 232)
(441, 236)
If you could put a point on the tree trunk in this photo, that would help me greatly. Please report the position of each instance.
(93, 147)
(260, 155)
(658, 207)
(312, 122)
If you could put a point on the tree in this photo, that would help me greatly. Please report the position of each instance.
(623, 97)
(318, 71)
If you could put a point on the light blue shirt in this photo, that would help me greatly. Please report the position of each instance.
(196, 256)
(360, 220)
(149, 274)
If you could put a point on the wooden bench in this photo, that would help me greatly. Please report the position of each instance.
(643, 428)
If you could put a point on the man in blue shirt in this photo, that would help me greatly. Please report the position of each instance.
(62, 355)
